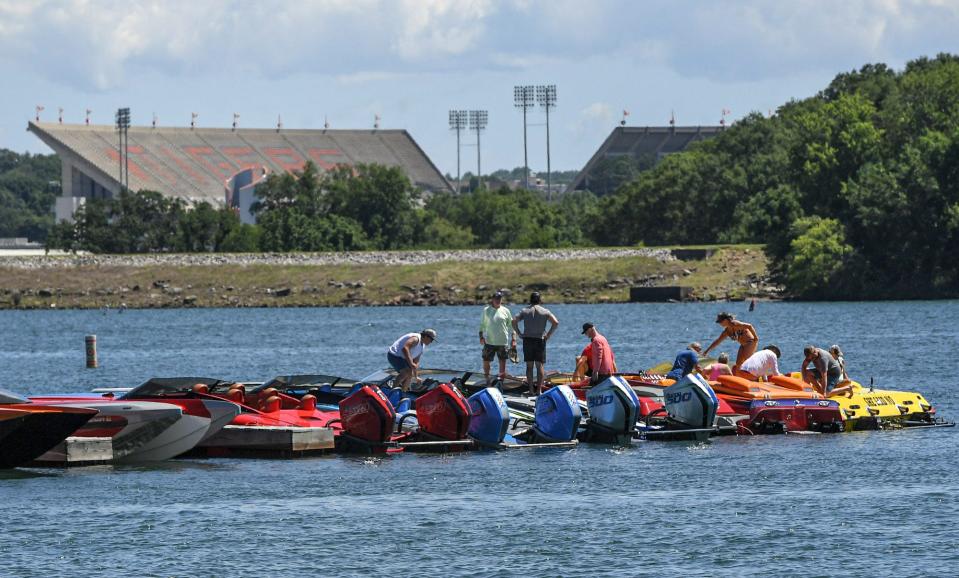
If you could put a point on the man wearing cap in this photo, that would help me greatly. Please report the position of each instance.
(686, 361)
(494, 333)
(535, 336)
(602, 360)
(404, 355)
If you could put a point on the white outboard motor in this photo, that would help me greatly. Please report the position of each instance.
(690, 402)
(613, 409)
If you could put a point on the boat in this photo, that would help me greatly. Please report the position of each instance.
(773, 408)
(139, 431)
(213, 412)
(28, 430)
(868, 408)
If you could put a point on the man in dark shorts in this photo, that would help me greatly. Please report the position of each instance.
(535, 336)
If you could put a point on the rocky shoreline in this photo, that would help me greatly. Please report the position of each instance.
(342, 258)
(417, 278)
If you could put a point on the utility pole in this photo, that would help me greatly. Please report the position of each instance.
(523, 98)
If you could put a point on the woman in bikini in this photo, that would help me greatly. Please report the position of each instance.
(739, 331)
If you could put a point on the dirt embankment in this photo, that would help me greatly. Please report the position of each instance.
(376, 278)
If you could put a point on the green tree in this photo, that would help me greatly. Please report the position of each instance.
(816, 256)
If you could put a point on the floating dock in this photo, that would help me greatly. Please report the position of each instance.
(78, 451)
(258, 441)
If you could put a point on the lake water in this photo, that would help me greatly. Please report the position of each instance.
(860, 504)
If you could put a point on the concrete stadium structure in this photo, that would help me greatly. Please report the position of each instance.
(198, 164)
(642, 142)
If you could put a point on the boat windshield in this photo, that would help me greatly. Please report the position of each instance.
(308, 380)
(7, 397)
(170, 386)
(383, 376)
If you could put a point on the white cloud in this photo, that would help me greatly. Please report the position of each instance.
(103, 44)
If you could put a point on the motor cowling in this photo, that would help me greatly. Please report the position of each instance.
(557, 415)
(443, 412)
(691, 402)
(366, 414)
(613, 407)
(490, 416)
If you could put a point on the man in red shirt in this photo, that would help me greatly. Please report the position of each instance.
(602, 361)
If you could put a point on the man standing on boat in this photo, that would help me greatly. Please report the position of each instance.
(405, 353)
(495, 331)
(535, 336)
(602, 361)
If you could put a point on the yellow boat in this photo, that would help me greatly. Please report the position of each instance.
(869, 408)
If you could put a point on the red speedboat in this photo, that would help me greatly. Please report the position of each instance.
(775, 409)
(179, 391)
(28, 430)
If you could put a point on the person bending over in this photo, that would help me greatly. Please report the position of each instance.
(739, 331)
(762, 364)
(686, 362)
(825, 372)
(405, 353)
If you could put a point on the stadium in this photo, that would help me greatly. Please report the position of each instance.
(648, 142)
(212, 164)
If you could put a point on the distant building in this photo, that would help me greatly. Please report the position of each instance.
(202, 164)
(642, 143)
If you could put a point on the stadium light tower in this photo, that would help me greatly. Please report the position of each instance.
(478, 119)
(123, 130)
(458, 120)
(523, 97)
(546, 95)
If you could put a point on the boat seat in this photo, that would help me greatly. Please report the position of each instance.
(308, 402)
(236, 396)
(201, 388)
(792, 383)
(271, 404)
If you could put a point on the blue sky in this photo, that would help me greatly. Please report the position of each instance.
(410, 61)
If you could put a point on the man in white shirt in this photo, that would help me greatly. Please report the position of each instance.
(762, 364)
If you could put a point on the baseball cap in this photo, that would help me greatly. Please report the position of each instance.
(587, 326)
(498, 295)
(431, 333)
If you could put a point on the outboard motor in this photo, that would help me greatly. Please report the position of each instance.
(490, 416)
(557, 415)
(443, 413)
(367, 415)
(691, 403)
(613, 409)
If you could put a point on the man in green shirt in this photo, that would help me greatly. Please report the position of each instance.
(495, 331)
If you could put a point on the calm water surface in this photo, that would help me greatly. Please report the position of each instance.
(862, 504)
